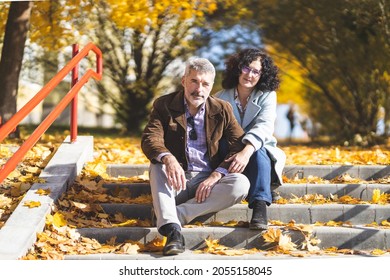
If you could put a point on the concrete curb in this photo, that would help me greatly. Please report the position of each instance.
(19, 232)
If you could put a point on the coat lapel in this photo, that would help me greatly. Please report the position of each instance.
(230, 98)
(252, 109)
(177, 109)
(212, 117)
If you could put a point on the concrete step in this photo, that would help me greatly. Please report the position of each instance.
(328, 172)
(357, 238)
(355, 214)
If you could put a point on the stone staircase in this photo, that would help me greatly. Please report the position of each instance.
(358, 236)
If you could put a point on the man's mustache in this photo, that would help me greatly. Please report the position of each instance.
(196, 94)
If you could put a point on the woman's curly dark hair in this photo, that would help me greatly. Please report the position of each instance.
(269, 79)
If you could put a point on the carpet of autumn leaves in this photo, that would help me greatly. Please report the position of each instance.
(79, 206)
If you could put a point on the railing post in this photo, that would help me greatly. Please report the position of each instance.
(73, 109)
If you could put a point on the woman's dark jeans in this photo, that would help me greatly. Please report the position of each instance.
(258, 171)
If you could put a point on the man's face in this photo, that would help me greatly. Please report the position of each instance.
(197, 88)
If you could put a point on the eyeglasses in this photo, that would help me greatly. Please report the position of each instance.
(193, 135)
(247, 70)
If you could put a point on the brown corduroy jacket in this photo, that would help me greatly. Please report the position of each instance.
(166, 129)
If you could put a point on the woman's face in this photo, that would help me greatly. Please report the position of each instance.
(250, 74)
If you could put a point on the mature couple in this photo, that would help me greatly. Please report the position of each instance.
(207, 152)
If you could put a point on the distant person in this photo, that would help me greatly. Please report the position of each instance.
(249, 82)
(187, 177)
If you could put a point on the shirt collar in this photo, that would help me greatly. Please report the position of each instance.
(201, 110)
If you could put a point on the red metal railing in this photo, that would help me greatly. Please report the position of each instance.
(70, 97)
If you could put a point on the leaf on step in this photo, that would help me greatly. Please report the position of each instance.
(216, 223)
(346, 251)
(33, 169)
(43, 191)
(276, 223)
(194, 225)
(346, 199)
(230, 252)
(145, 223)
(271, 235)
(128, 223)
(111, 241)
(310, 246)
(72, 234)
(155, 245)
(14, 174)
(213, 247)
(212, 244)
(58, 220)
(102, 216)
(81, 206)
(333, 223)
(345, 178)
(377, 252)
(282, 201)
(104, 249)
(95, 168)
(32, 204)
(91, 185)
(331, 249)
(231, 223)
(285, 243)
(385, 223)
(130, 249)
(142, 199)
(4, 201)
(379, 198)
(144, 176)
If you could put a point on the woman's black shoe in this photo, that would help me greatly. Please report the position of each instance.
(175, 243)
(259, 216)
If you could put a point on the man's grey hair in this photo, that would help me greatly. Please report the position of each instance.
(202, 65)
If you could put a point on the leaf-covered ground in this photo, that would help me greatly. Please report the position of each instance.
(79, 207)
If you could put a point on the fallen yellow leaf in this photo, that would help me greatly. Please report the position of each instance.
(59, 220)
(32, 204)
(43, 191)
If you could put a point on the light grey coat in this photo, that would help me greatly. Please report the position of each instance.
(259, 123)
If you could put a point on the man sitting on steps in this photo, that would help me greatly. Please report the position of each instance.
(187, 177)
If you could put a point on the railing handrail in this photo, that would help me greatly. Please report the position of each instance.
(77, 84)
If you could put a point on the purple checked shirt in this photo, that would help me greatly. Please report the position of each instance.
(197, 149)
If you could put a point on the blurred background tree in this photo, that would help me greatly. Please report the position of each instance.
(15, 34)
(140, 40)
(343, 48)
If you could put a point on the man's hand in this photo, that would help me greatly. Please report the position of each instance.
(240, 160)
(175, 173)
(204, 189)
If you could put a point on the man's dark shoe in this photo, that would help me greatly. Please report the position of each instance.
(259, 216)
(175, 243)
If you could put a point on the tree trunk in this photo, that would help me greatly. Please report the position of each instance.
(12, 56)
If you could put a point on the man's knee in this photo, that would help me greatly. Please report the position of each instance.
(239, 183)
